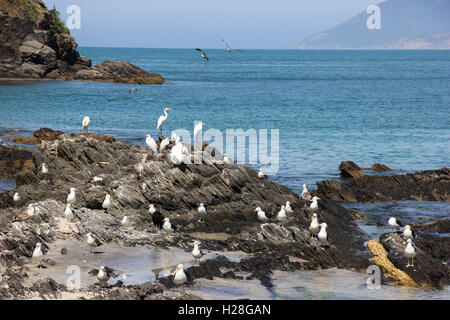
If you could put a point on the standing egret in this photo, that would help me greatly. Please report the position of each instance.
(107, 203)
(151, 144)
(85, 123)
(71, 198)
(201, 209)
(198, 127)
(164, 144)
(314, 205)
(68, 213)
(179, 152)
(180, 276)
(162, 119)
(410, 253)
(44, 168)
(314, 226)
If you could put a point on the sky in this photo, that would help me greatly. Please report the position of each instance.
(245, 24)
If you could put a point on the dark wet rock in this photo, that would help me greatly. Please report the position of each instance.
(428, 270)
(39, 136)
(13, 160)
(64, 250)
(34, 46)
(350, 169)
(440, 226)
(48, 288)
(378, 167)
(430, 185)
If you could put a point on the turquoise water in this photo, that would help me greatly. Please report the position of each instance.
(390, 107)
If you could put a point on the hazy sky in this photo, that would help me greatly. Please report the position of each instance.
(246, 24)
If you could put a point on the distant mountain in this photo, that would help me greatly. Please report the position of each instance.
(405, 24)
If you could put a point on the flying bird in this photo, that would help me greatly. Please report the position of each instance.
(162, 119)
(203, 55)
(229, 48)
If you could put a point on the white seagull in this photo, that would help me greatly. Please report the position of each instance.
(410, 253)
(162, 119)
(408, 233)
(167, 225)
(107, 203)
(305, 194)
(44, 168)
(152, 209)
(92, 241)
(281, 216)
(226, 160)
(180, 276)
(229, 48)
(261, 214)
(323, 237)
(125, 222)
(17, 197)
(178, 152)
(314, 205)
(314, 226)
(37, 253)
(71, 198)
(85, 123)
(288, 208)
(151, 144)
(394, 224)
(102, 275)
(196, 253)
(201, 209)
(261, 174)
(198, 127)
(68, 213)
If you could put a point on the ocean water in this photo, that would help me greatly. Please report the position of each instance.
(391, 107)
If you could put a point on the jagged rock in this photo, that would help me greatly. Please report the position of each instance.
(350, 169)
(380, 168)
(13, 160)
(440, 226)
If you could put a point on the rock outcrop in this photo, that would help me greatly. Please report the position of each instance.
(33, 45)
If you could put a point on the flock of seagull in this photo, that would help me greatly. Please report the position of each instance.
(206, 58)
(178, 151)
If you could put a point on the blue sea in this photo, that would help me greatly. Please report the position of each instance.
(390, 107)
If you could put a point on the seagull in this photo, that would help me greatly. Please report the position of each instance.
(162, 119)
(17, 197)
(37, 253)
(229, 48)
(107, 203)
(323, 237)
(314, 205)
(92, 241)
(394, 223)
(85, 123)
(125, 222)
(196, 253)
(261, 214)
(152, 209)
(68, 213)
(132, 90)
(164, 144)
(167, 226)
(152, 144)
(261, 174)
(314, 226)
(288, 208)
(180, 276)
(198, 127)
(71, 198)
(408, 233)
(305, 194)
(102, 275)
(282, 214)
(410, 253)
(201, 209)
(44, 168)
(203, 55)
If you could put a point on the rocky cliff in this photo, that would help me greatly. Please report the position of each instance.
(34, 44)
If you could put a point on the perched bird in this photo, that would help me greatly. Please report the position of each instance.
(394, 223)
(92, 241)
(37, 253)
(180, 276)
(203, 55)
(198, 127)
(102, 275)
(229, 48)
(132, 90)
(164, 144)
(323, 237)
(107, 203)
(179, 152)
(261, 174)
(196, 252)
(157, 217)
(162, 119)
(85, 123)
(17, 197)
(151, 144)
(125, 222)
(408, 233)
(314, 205)
(173, 136)
(288, 208)
(281, 216)
(201, 209)
(152, 209)
(71, 198)
(68, 213)
(261, 214)
(306, 196)
(167, 226)
(226, 160)
(44, 168)
(314, 226)
(410, 253)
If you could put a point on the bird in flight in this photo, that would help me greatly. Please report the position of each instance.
(229, 48)
(203, 55)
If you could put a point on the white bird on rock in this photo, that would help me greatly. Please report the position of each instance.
(162, 119)
(37, 253)
(102, 275)
(226, 160)
(167, 225)
(288, 207)
(196, 253)
(198, 127)
(85, 123)
(125, 222)
(408, 233)
(261, 174)
(180, 276)
(17, 197)
(71, 198)
(323, 236)
(44, 168)
(305, 194)
(314, 205)
(314, 226)
(68, 213)
(178, 153)
(201, 209)
(92, 241)
(261, 214)
(281, 216)
(394, 223)
(410, 253)
(164, 144)
(152, 209)
(151, 143)
(107, 203)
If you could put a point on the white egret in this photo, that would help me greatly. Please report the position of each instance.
(314, 226)
(85, 123)
(281, 216)
(164, 144)
(180, 276)
(107, 203)
(261, 214)
(178, 153)
(198, 127)
(201, 209)
(314, 205)
(410, 253)
(71, 198)
(151, 144)
(162, 119)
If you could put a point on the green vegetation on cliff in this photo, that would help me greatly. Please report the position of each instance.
(59, 26)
